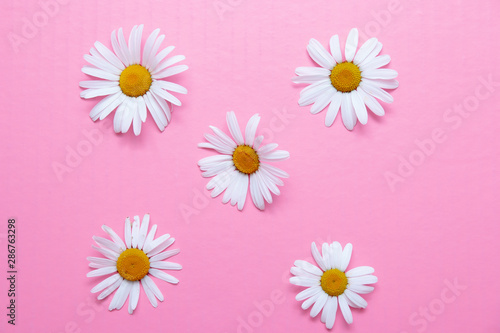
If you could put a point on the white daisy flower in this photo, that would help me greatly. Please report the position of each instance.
(329, 285)
(130, 83)
(351, 83)
(132, 262)
(241, 161)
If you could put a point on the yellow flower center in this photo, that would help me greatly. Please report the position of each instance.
(334, 282)
(132, 264)
(135, 80)
(245, 159)
(345, 77)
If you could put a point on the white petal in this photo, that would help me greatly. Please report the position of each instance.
(141, 108)
(274, 172)
(377, 62)
(359, 301)
(102, 64)
(308, 267)
(317, 257)
(359, 288)
(251, 128)
(162, 246)
(276, 155)
(359, 107)
(111, 288)
(156, 244)
(135, 231)
(96, 84)
(384, 84)
(109, 108)
(164, 255)
(149, 294)
(121, 295)
(366, 279)
(143, 231)
(107, 244)
(106, 283)
(223, 137)
(124, 48)
(351, 44)
(376, 92)
(103, 104)
(346, 257)
(96, 72)
(146, 53)
(371, 102)
(128, 233)
(347, 111)
(309, 292)
(159, 58)
(313, 92)
(331, 309)
(134, 296)
(337, 254)
(171, 71)
(335, 48)
(153, 287)
(100, 262)
(323, 101)
(309, 79)
(165, 95)
(318, 306)
(166, 265)
(117, 120)
(91, 93)
(359, 271)
(117, 49)
(128, 115)
(171, 86)
(169, 62)
(155, 110)
(310, 301)
(163, 276)
(318, 53)
(346, 311)
(114, 236)
(365, 50)
(255, 192)
(107, 253)
(333, 109)
(234, 127)
(372, 55)
(304, 282)
(109, 56)
(380, 73)
(304, 71)
(102, 271)
(326, 256)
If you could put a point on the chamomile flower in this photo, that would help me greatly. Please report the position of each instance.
(132, 262)
(133, 84)
(350, 84)
(329, 286)
(242, 164)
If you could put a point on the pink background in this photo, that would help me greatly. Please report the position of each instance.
(439, 224)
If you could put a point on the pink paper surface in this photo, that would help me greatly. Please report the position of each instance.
(436, 226)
